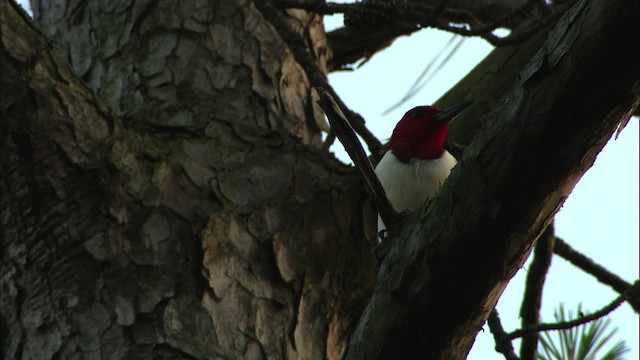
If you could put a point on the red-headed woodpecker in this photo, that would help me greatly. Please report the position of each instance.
(416, 162)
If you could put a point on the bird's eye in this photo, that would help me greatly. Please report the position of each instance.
(418, 113)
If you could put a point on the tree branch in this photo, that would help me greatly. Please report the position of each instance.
(329, 140)
(365, 36)
(343, 130)
(569, 324)
(512, 179)
(603, 275)
(499, 335)
(350, 44)
(532, 300)
(360, 14)
(515, 37)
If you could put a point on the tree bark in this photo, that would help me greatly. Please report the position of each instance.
(186, 211)
(196, 219)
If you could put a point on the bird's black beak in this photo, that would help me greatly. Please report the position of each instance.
(449, 113)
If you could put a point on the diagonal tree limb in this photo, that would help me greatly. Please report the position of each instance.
(535, 145)
(348, 138)
(532, 299)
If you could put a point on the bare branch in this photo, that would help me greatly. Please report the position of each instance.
(343, 130)
(331, 137)
(502, 346)
(603, 275)
(532, 300)
(572, 323)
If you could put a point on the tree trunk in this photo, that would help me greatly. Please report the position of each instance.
(197, 218)
(185, 211)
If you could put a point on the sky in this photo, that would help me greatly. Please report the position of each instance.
(599, 219)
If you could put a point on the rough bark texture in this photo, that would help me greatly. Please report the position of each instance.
(202, 227)
(485, 85)
(193, 217)
(435, 291)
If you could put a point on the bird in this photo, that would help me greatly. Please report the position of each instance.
(416, 163)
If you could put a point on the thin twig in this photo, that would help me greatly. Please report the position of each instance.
(502, 346)
(568, 324)
(316, 77)
(348, 138)
(603, 275)
(532, 299)
(331, 137)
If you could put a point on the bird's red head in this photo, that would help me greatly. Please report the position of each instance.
(421, 132)
(419, 135)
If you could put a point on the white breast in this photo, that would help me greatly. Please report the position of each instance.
(409, 185)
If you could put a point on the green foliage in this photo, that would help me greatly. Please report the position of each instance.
(582, 342)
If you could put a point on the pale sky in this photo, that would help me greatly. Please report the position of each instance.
(599, 219)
